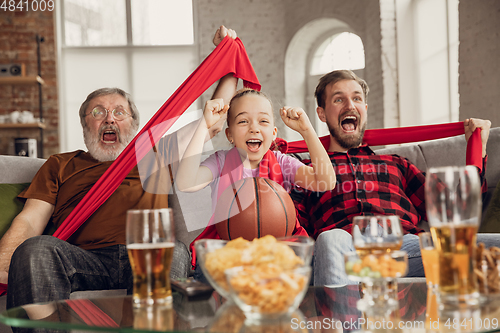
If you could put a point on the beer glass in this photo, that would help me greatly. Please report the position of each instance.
(432, 310)
(374, 236)
(430, 259)
(453, 204)
(379, 233)
(150, 246)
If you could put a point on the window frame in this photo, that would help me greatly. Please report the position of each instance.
(311, 80)
(128, 19)
(332, 33)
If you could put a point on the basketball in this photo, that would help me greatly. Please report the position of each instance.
(252, 208)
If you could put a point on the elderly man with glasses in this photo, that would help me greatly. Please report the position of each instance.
(43, 268)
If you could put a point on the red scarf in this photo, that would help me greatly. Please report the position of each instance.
(228, 57)
(388, 136)
(232, 171)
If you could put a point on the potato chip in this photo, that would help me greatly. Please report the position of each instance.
(487, 269)
(268, 288)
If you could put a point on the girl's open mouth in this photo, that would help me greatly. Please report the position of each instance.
(254, 145)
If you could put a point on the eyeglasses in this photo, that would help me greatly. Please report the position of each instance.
(99, 113)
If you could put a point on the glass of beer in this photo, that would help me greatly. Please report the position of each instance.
(150, 246)
(430, 259)
(453, 204)
(375, 236)
(432, 310)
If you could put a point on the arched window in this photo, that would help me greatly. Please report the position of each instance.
(303, 57)
(340, 51)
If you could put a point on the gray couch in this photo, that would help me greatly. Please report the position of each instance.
(192, 211)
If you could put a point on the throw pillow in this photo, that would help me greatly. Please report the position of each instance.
(10, 205)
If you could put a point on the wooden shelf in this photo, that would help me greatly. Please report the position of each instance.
(22, 126)
(21, 80)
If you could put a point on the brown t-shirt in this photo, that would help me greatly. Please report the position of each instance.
(65, 179)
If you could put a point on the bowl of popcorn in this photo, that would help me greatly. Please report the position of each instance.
(376, 265)
(263, 269)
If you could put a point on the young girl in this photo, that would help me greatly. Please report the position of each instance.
(250, 128)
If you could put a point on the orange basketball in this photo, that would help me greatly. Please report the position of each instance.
(252, 208)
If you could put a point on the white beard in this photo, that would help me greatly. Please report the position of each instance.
(106, 153)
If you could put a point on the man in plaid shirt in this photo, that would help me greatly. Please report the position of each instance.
(367, 184)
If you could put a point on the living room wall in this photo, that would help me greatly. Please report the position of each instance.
(479, 58)
(18, 31)
(266, 28)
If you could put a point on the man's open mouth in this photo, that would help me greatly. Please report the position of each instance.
(349, 123)
(109, 136)
(254, 145)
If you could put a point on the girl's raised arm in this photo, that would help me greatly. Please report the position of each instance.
(191, 176)
(320, 176)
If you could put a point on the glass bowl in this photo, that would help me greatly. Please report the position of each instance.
(268, 291)
(377, 272)
(214, 276)
(215, 256)
(230, 318)
(379, 265)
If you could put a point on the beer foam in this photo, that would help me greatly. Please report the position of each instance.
(150, 246)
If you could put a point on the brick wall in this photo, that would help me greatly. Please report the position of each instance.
(373, 63)
(261, 26)
(18, 45)
(388, 45)
(479, 59)
(267, 27)
(363, 16)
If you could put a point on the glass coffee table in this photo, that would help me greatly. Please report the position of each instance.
(323, 309)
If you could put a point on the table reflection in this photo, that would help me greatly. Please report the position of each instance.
(323, 309)
(154, 317)
(230, 319)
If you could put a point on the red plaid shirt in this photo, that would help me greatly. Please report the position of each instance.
(367, 184)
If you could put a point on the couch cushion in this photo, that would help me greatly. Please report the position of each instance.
(17, 169)
(192, 212)
(412, 152)
(444, 152)
(10, 205)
